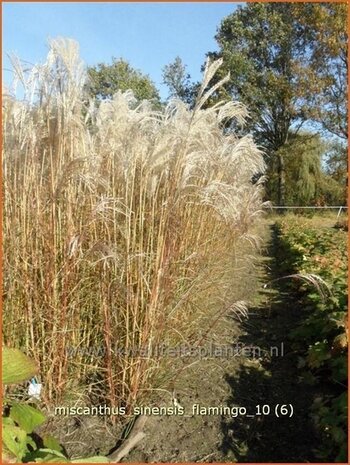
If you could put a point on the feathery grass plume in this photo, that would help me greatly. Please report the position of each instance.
(120, 227)
(313, 279)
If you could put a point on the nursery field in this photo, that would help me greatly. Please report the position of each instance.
(153, 310)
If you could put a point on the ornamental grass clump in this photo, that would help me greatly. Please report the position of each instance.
(120, 226)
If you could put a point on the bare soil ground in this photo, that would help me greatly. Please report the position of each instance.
(243, 381)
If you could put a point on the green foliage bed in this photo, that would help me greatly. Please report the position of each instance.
(322, 336)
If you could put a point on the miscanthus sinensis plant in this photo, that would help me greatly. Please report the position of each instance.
(120, 226)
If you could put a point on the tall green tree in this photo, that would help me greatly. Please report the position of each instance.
(325, 29)
(267, 49)
(311, 178)
(178, 81)
(105, 80)
(336, 162)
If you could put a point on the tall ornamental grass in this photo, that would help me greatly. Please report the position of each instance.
(120, 226)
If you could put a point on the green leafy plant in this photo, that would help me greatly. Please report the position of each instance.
(20, 420)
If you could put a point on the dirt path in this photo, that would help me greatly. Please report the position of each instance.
(246, 381)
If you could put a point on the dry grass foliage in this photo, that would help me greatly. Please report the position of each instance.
(120, 226)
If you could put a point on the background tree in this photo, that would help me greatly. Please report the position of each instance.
(336, 166)
(325, 29)
(178, 81)
(308, 180)
(105, 80)
(336, 160)
(267, 49)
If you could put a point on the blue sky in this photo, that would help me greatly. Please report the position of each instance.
(148, 35)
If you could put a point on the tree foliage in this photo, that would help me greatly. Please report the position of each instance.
(336, 160)
(261, 45)
(306, 180)
(105, 80)
(178, 81)
(272, 54)
(325, 29)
